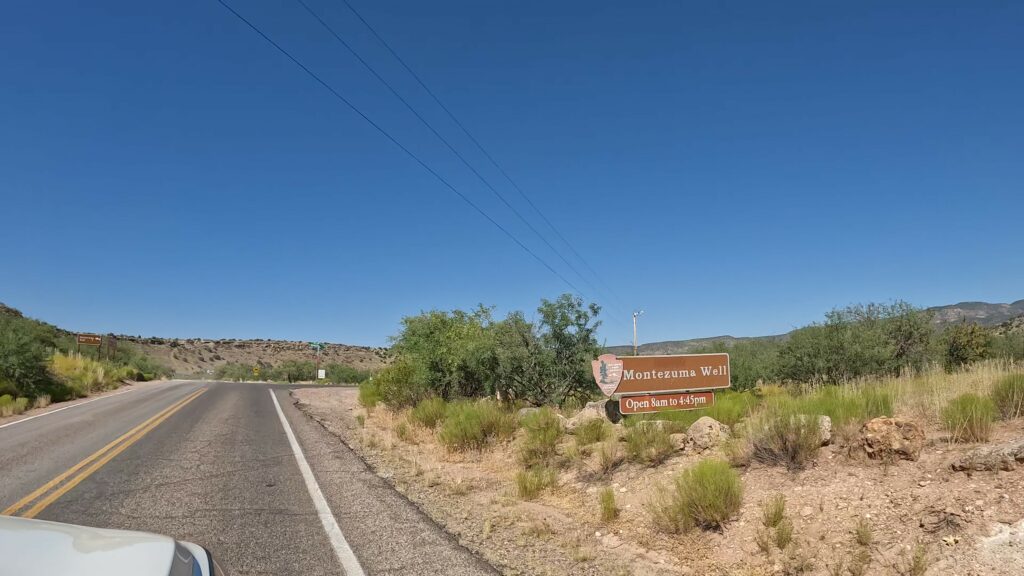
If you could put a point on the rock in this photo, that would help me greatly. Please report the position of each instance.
(679, 440)
(524, 412)
(825, 429)
(592, 411)
(890, 439)
(1003, 456)
(706, 433)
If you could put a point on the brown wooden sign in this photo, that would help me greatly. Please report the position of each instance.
(653, 374)
(670, 401)
(90, 339)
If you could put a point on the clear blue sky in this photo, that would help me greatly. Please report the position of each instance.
(730, 167)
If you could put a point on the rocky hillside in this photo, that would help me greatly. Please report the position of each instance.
(982, 313)
(196, 356)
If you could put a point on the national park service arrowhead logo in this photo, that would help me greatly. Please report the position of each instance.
(607, 373)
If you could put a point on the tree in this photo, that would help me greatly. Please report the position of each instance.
(567, 331)
(964, 343)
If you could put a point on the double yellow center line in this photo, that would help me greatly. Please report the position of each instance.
(47, 493)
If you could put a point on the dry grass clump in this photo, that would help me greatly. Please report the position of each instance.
(475, 425)
(969, 417)
(532, 481)
(706, 495)
(592, 431)
(781, 436)
(543, 430)
(11, 406)
(606, 500)
(648, 444)
(609, 456)
(429, 412)
(1008, 395)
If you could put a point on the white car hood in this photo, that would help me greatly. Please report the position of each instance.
(39, 547)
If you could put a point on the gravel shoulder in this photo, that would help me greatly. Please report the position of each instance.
(968, 523)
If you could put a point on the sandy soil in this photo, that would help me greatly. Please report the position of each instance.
(969, 524)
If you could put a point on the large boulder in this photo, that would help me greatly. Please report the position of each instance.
(706, 433)
(890, 439)
(592, 411)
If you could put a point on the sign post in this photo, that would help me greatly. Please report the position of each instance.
(640, 384)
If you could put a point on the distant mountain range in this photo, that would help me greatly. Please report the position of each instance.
(984, 313)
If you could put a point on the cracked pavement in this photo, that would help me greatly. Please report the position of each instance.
(220, 473)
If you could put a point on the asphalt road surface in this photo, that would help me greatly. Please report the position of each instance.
(215, 464)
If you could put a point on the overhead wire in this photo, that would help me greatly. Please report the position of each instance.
(403, 148)
(443, 140)
(483, 150)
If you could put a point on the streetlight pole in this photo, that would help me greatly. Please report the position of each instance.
(636, 313)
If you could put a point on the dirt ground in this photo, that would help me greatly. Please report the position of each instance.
(968, 524)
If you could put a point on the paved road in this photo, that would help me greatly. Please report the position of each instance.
(213, 463)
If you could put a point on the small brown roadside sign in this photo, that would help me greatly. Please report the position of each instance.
(671, 401)
(90, 339)
(653, 374)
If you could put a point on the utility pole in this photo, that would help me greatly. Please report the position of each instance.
(636, 313)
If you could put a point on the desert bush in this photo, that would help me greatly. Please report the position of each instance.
(369, 394)
(10, 406)
(429, 412)
(404, 432)
(706, 495)
(1008, 396)
(474, 425)
(608, 457)
(773, 511)
(969, 417)
(963, 344)
(713, 492)
(846, 404)
(543, 430)
(83, 376)
(41, 401)
(738, 451)
(24, 353)
(591, 431)
(403, 384)
(345, 374)
(532, 481)
(783, 436)
(606, 500)
(648, 445)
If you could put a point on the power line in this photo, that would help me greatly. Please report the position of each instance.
(482, 149)
(398, 144)
(453, 150)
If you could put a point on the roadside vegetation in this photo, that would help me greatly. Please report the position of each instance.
(290, 371)
(39, 365)
(505, 403)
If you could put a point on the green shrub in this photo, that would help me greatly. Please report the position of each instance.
(402, 384)
(83, 376)
(1008, 395)
(964, 344)
(369, 394)
(10, 406)
(782, 436)
(606, 501)
(591, 431)
(543, 430)
(648, 444)
(969, 417)
(429, 412)
(474, 425)
(706, 495)
(532, 481)
(845, 404)
(712, 491)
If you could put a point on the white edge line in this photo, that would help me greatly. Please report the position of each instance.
(348, 559)
(66, 407)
